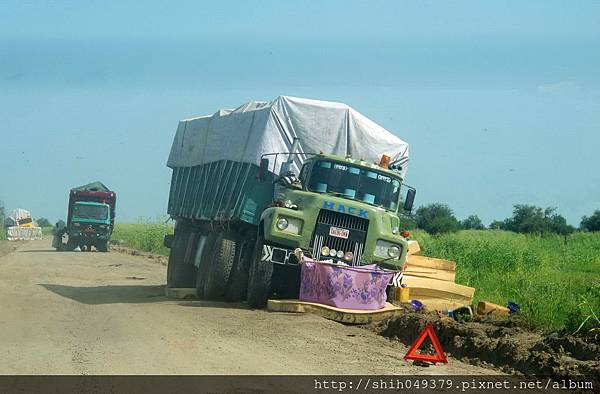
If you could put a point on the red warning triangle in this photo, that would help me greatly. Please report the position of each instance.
(438, 357)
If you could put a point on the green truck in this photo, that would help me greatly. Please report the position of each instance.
(90, 219)
(253, 190)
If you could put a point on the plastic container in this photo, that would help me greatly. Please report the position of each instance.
(344, 287)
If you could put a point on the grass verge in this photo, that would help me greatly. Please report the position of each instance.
(147, 237)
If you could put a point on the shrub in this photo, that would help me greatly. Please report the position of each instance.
(591, 223)
(437, 218)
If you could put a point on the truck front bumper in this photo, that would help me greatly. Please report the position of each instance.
(89, 236)
(279, 255)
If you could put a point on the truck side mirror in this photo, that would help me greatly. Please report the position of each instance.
(263, 169)
(410, 199)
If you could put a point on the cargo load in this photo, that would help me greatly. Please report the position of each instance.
(21, 226)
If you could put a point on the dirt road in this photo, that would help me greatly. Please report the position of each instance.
(105, 313)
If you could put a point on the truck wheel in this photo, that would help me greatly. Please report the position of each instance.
(259, 278)
(102, 246)
(180, 274)
(238, 279)
(71, 245)
(205, 258)
(220, 266)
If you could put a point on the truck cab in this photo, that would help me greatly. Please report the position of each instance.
(90, 224)
(341, 209)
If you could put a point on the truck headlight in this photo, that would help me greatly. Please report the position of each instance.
(394, 252)
(282, 224)
(387, 249)
(289, 224)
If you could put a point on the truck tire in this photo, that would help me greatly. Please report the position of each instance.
(102, 246)
(180, 274)
(259, 278)
(219, 267)
(203, 268)
(237, 286)
(71, 244)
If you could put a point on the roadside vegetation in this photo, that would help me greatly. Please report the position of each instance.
(145, 236)
(2, 218)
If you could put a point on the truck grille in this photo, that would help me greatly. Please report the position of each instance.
(355, 243)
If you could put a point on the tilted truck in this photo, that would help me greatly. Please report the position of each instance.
(90, 218)
(253, 185)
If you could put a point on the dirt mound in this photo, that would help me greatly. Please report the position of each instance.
(505, 344)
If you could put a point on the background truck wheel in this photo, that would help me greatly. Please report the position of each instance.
(259, 278)
(237, 286)
(70, 245)
(102, 246)
(180, 274)
(219, 267)
(205, 254)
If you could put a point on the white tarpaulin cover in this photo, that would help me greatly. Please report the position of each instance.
(257, 127)
(16, 216)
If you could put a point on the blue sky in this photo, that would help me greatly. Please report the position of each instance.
(500, 101)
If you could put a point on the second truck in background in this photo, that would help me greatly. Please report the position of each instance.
(90, 219)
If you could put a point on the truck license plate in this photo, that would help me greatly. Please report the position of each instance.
(339, 232)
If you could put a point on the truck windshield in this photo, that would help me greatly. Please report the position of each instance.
(361, 184)
(85, 211)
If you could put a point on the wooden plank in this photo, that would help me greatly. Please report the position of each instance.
(434, 286)
(425, 272)
(441, 304)
(349, 316)
(485, 308)
(431, 262)
(413, 247)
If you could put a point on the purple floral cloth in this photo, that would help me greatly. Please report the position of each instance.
(344, 287)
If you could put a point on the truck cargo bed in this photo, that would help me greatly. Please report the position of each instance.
(223, 190)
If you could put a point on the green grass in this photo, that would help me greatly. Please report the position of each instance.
(143, 236)
(555, 279)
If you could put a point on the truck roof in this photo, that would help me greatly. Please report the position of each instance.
(260, 127)
(93, 187)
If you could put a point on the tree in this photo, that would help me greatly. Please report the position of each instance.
(43, 222)
(591, 223)
(437, 218)
(497, 225)
(531, 219)
(472, 223)
(557, 223)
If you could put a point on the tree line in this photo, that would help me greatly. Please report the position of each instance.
(527, 219)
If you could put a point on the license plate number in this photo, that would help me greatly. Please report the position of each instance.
(339, 232)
